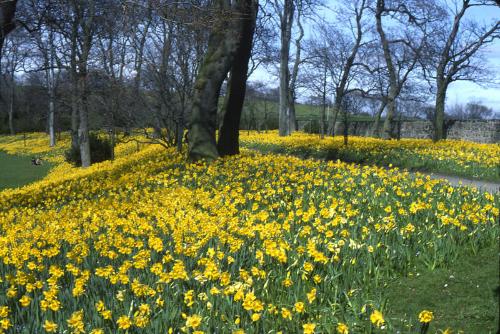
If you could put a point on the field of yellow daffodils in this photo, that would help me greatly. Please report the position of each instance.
(455, 157)
(248, 244)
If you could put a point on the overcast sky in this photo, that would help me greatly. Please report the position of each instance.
(458, 92)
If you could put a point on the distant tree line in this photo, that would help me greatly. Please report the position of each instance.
(183, 66)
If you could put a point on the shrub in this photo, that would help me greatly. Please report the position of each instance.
(100, 150)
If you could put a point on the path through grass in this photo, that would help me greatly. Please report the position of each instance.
(17, 171)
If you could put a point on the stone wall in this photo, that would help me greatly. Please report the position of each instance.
(471, 130)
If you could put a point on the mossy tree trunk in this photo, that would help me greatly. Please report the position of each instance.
(213, 71)
(223, 45)
(228, 143)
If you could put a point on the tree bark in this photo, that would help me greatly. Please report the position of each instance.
(391, 111)
(286, 36)
(323, 107)
(222, 46)
(376, 124)
(439, 112)
(52, 134)
(295, 72)
(7, 23)
(228, 143)
(337, 105)
(83, 128)
(87, 34)
(74, 117)
(12, 92)
(75, 145)
(345, 130)
(341, 88)
(393, 82)
(292, 117)
(51, 90)
(112, 139)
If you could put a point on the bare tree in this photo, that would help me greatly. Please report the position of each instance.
(44, 37)
(455, 53)
(86, 15)
(316, 78)
(339, 46)
(474, 109)
(295, 69)
(402, 48)
(15, 53)
(288, 12)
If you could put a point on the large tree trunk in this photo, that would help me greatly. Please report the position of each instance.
(74, 119)
(286, 36)
(7, 23)
(11, 104)
(292, 124)
(75, 145)
(222, 45)
(322, 117)
(229, 133)
(179, 130)
(83, 128)
(11, 120)
(323, 108)
(337, 105)
(391, 111)
(52, 133)
(376, 124)
(11, 116)
(439, 112)
(393, 81)
(50, 81)
(292, 117)
(52, 98)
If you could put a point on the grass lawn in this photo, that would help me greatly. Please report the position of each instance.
(17, 171)
(303, 111)
(461, 296)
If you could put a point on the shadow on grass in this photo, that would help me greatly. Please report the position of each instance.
(411, 163)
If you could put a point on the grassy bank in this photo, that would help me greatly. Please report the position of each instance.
(463, 295)
(17, 170)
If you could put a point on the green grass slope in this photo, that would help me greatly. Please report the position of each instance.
(17, 171)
